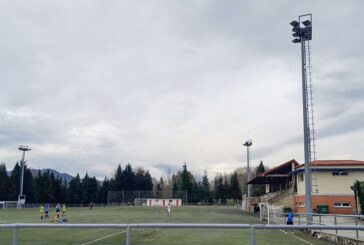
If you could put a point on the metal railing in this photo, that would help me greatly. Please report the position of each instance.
(332, 219)
(321, 219)
(128, 227)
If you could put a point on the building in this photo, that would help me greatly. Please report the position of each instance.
(280, 185)
(331, 185)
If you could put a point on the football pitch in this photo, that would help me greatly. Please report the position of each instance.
(129, 215)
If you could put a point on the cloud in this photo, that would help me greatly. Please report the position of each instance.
(89, 85)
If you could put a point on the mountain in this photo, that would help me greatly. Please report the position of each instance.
(55, 172)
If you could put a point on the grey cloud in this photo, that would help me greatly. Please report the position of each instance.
(347, 123)
(93, 84)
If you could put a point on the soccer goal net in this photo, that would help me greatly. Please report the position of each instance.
(271, 213)
(141, 202)
(8, 204)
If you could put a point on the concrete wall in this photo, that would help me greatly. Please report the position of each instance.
(284, 199)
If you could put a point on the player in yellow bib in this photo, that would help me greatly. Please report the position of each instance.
(64, 210)
(41, 211)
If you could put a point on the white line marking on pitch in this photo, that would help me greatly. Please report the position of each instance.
(103, 237)
(298, 238)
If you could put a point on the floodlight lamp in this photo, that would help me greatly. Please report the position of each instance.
(306, 23)
(296, 40)
(296, 29)
(296, 34)
(308, 36)
(248, 143)
(24, 148)
(294, 23)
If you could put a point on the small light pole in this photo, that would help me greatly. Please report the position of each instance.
(21, 197)
(247, 144)
(302, 31)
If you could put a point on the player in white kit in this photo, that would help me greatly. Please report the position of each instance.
(169, 209)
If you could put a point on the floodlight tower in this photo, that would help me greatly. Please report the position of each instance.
(21, 197)
(302, 31)
(248, 143)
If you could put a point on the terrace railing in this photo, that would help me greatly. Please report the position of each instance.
(128, 227)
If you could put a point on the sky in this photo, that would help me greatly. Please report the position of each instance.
(88, 85)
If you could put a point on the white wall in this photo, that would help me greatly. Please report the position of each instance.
(329, 184)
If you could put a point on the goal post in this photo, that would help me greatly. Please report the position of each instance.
(271, 213)
(8, 204)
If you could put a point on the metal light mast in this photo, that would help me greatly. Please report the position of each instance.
(21, 197)
(303, 34)
(247, 144)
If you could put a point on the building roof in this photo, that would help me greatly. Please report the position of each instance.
(275, 174)
(273, 170)
(334, 163)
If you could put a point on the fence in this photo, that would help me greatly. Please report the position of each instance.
(333, 219)
(319, 219)
(53, 205)
(128, 227)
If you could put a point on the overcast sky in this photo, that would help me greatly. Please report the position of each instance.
(92, 84)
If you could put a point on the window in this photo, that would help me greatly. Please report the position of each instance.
(300, 177)
(341, 205)
(302, 204)
(340, 173)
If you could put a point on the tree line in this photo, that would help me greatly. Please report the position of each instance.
(47, 188)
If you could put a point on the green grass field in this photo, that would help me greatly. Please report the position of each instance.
(128, 215)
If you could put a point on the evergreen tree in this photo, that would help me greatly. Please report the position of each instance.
(93, 189)
(5, 185)
(235, 191)
(85, 197)
(259, 190)
(148, 183)
(205, 189)
(226, 191)
(29, 186)
(219, 189)
(176, 183)
(261, 168)
(64, 192)
(196, 193)
(139, 179)
(43, 188)
(118, 179)
(128, 179)
(15, 181)
(112, 185)
(56, 187)
(75, 190)
(103, 191)
(186, 178)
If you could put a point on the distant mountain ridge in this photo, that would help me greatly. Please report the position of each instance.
(55, 172)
